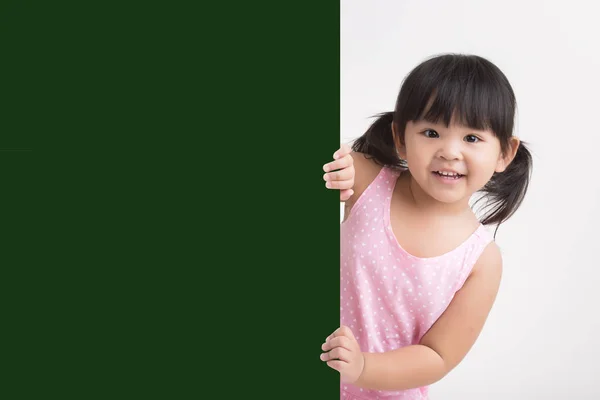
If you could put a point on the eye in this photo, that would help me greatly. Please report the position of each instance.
(430, 133)
(472, 139)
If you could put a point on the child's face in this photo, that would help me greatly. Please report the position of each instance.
(431, 149)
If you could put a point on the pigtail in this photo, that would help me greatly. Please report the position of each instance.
(378, 142)
(505, 190)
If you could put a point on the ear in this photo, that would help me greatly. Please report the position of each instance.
(506, 158)
(400, 148)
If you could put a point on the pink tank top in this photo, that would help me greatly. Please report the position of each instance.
(390, 298)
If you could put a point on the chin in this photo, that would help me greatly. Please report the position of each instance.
(449, 195)
(448, 198)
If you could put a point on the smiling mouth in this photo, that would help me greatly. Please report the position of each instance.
(448, 175)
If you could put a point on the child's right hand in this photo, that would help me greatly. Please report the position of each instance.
(340, 173)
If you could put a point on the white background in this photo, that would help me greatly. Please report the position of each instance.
(542, 337)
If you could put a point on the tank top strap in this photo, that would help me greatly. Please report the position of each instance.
(383, 186)
(482, 236)
(473, 248)
(388, 181)
(390, 173)
(379, 192)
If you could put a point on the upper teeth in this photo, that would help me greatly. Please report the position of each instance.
(448, 173)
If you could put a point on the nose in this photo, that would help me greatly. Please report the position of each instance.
(450, 150)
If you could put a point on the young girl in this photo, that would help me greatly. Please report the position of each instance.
(419, 271)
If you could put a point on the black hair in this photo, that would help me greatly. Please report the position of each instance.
(473, 90)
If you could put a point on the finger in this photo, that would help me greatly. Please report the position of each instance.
(341, 175)
(333, 334)
(343, 162)
(338, 353)
(342, 151)
(340, 341)
(344, 331)
(346, 194)
(336, 364)
(340, 184)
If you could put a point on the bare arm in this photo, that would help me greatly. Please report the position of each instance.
(365, 172)
(449, 339)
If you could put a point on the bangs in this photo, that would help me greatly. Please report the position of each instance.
(469, 89)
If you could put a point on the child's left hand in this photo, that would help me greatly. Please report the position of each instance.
(343, 354)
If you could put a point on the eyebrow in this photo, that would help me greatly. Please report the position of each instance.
(463, 127)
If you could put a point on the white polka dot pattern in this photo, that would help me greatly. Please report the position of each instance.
(390, 298)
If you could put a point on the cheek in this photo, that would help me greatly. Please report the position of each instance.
(415, 160)
(415, 151)
(483, 164)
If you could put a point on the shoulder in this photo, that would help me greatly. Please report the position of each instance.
(365, 162)
(489, 264)
(365, 171)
